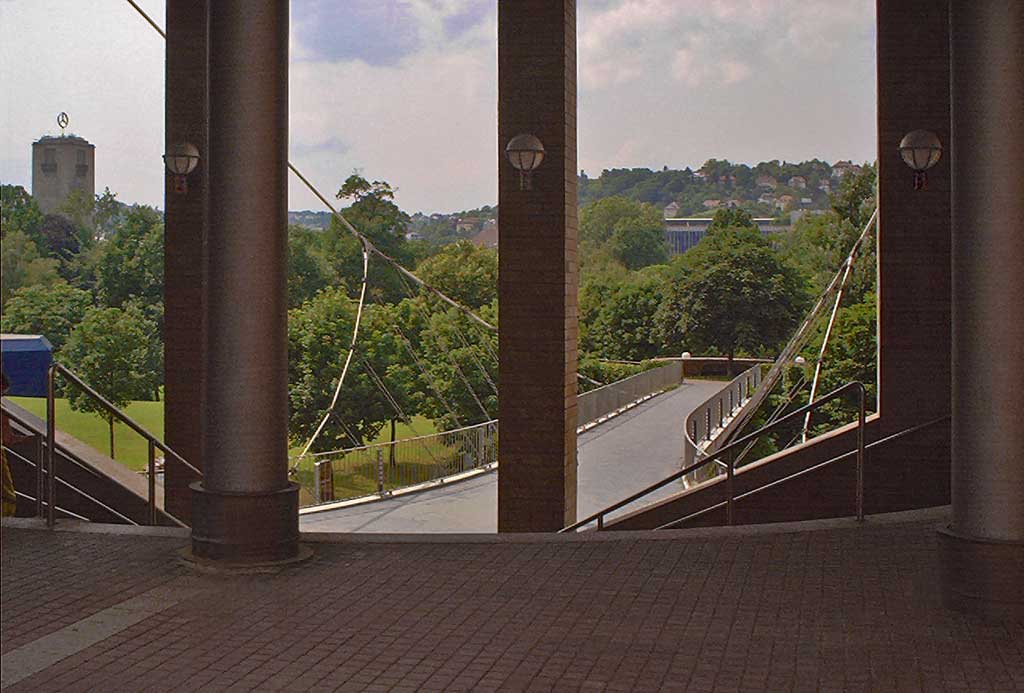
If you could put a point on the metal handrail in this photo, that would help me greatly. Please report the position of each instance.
(899, 434)
(730, 464)
(154, 443)
(74, 516)
(74, 489)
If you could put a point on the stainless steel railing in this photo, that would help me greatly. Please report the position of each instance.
(703, 427)
(153, 443)
(381, 468)
(730, 466)
(813, 468)
(607, 399)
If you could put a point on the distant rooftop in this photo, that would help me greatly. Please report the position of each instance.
(62, 139)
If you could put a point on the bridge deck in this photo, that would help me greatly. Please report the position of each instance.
(616, 458)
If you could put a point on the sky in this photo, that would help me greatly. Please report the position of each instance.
(405, 90)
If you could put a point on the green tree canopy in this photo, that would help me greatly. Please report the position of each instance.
(319, 334)
(308, 271)
(731, 218)
(21, 265)
(118, 353)
(375, 215)
(464, 272)
(732, 292)
(19, 212)
(131, 262)
(50, 310)
(631, 233)
(618, 319)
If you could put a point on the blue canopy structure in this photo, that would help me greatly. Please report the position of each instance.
(26, 358)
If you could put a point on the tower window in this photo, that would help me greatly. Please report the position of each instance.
(49, 160)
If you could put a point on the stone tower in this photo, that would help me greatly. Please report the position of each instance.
(60, 165)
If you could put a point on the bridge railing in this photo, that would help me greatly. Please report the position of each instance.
(608, 399)
(382, 468)
(707, 426)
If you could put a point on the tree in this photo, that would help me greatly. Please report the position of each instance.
(19, 212)
(639, 242)
(375, 215)
(460, 378)
(319, 333)
(59, 237)
(131, 263)
(731, 218)
(463, 272)
(631, 233)
(21, 265)
(50, 310)
(118, 353)
(856, 196)
(308, 271)
(735, 293)
(618, 319)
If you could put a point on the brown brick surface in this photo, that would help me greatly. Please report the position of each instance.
(846, 608)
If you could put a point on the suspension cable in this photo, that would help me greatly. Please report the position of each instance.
(832, 319)
(348, 358)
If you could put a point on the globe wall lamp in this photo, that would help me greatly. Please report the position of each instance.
(181, 159)
(525, 152)
(920, 149)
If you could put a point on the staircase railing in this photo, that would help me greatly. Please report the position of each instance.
(154, 443)
(882, 441)
(39, 499)
(729, 462)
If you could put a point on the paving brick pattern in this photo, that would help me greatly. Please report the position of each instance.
(52, 580)
(843, 609)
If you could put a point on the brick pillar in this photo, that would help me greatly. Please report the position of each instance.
(185, 227)
(537, 268)
(913, 261)
(914, 225)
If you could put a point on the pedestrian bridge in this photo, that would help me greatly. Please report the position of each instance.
(616, 458)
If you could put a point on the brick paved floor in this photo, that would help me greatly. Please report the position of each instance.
(837, 607)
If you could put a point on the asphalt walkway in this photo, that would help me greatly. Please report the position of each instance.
(616, 458)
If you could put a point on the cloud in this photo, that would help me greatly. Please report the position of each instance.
(427, 124)
(375, 32)
(406, 89)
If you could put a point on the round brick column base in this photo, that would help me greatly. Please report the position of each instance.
(981, 576)
(245, 527)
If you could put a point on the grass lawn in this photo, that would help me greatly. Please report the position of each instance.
(130, 449)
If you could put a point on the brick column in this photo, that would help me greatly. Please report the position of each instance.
(914, 321)
(914, 225)
(537, 268)
(185, 227)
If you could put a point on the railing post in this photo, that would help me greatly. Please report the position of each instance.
(40, 460)
(600, 522)
(730, 473)
(380, 472)
(51, 435)
(861, 415)
(151, 470)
